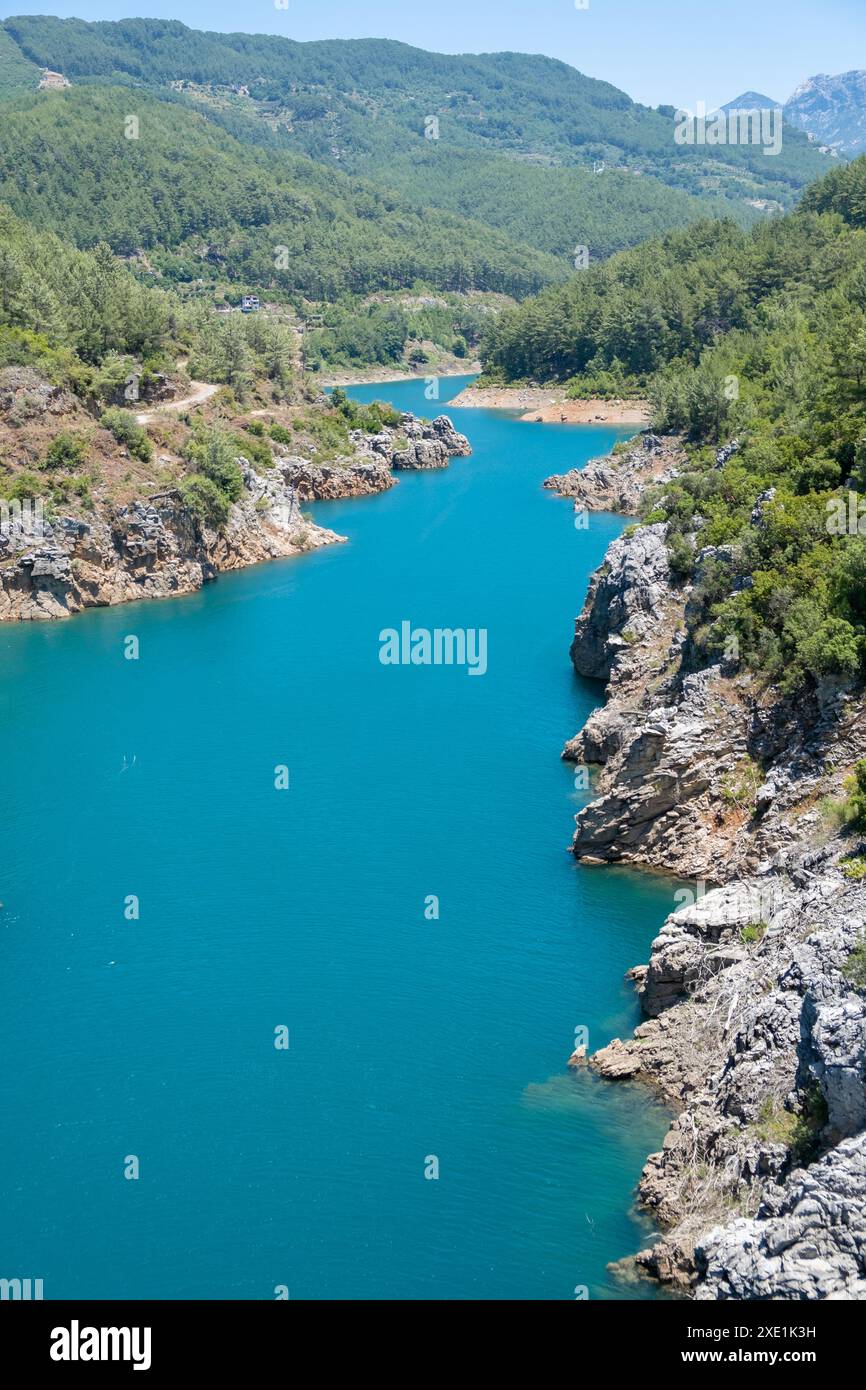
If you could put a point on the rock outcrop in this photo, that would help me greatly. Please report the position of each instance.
(704, 772)
(430, 444)
(616, 482)
(157, 548)
(755, 1030)
(147, 549)
(332, 482)
(757, 1038)
(25, 394)
(625, 604)
(807, 1240)
(832, 110)
(413, 445)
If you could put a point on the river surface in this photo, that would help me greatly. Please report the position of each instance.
(416, 1041)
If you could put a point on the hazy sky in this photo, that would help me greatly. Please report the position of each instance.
(678, 51)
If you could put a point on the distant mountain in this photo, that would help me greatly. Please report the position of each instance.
(382, 109)
(751, 101)
(184, 198)
(349, 167)
(832, 110)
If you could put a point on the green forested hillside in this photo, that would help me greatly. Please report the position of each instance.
(552, 207)
(756, 341)
(85, 322)
(634, 313)
(81, 338)
(201, 205)
(558, 209)
(17, 73)
(516, 135)
(65, 310)
(843, 191)
(364, 97)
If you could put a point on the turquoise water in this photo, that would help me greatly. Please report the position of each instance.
(306, 908)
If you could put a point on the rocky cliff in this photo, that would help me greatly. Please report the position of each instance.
(156, 547)
(616, 482)
(147, 549)
(832, 110)
(755, 1030)
(413, 445)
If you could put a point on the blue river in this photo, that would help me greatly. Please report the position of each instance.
(404, 916)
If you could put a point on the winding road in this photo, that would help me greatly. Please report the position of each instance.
(202, 391)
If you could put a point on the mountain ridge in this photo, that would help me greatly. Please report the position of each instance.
(832, 108)
(360, 103)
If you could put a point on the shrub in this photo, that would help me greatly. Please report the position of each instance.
(126, 430)
(256, 450)
(66, 450)
(280, 434)
(833, 813)
(370, 417)
(213, 452)
(799, 1131)
(330, 432)
(833, 647)
(23, 487)
(855, 966)
(740, 787)
(205, 500)
(855, 786)
(753, 933)
(681, 555)
(216, 480)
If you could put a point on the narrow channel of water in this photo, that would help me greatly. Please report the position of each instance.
(410, 1038)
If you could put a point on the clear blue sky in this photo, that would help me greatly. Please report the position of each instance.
(656, 50)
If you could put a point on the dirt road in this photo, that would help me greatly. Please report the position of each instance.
(202, 391)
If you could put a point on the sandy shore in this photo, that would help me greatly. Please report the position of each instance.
(364, 376)
(546, 404)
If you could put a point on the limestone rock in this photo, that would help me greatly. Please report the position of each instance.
(623, 602)
(150, 549)
(153, 548)
(754, 1033)
(615, 483)
(332, 482)
(806, 1241)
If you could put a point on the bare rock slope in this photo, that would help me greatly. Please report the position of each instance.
(755, 1030)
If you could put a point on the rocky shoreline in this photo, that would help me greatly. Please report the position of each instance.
(384, 376)
(755, 1032)
(550, 405)
(157, 548)
(616, 482)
